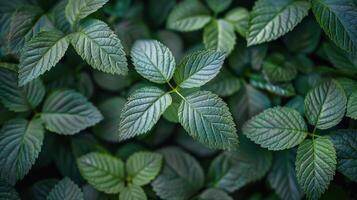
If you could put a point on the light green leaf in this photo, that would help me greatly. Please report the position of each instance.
(271, 19)
(219, 35)
(276, 128)
(100, 47)
(214, 194)
(207, 119)
(65, 190)
(239, 18)
(143, 167)
(352, 106)
(142, 110)
(104, 172)
(337, 18)
(153, 60)
(19, 99)
(198, 68)
(79, 9)
(40, 54)
(188, 15)
(340, 59)
(132, 192)
(68, 112)
(181, 177)
(315, 165)
(224, 84)
(218, 5)
(278, 69)
(20, 144)
(7, 192)
(325, 105)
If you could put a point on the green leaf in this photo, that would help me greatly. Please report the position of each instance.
(345, 142)
(198, 68)
(278, 69)
(79, 9)
(20, 144)
(214, 194)
(132, 192)
(188, 15)
(325, 105)
(218, 5)
(271, 19)
(7, 192)
(104, 172)
(283, 89)
(219, 35)
(65, 190)
(239, 18)
(340, 59)
(207, 119)
(41, 189)
(145, 103)
(276, 128)
(181, 176)
(100, 47)
(282, 176)
(337, 18)
(224, 84)
(352, 106)
(40, 54)
(58, 17)
(19, 99)
(315, 165)
(143, 167)
(153, 60)
(68, 112)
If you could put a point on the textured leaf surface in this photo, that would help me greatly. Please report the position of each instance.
(277, 69)
(189, 15)
(65, 190)
(143, 167)
(214, 194)
(207, 119)
(142, 111)
(79, 9)
(352, 106)
(315, 165)
(219, 35)
(7, 192)
(325, 105)
(68, 112)
(239, 18)
(103, 172)
(181, 176)
(224, 84)
(19, 99)
(132, 192)
(41, 189)
(280, 89)
(271, 19)
(198, 68)
(276, 128)
(153, 60)
(337, 18)
(20, 144)
(40, 54)
(100, 47)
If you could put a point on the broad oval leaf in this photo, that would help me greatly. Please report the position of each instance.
(271, 19)
(315, 165)
(276, 128)
(198, 68)
(142, 110)
(79, 9)
(325, 105)
(278, 69)
(8, 192)
(218, 5)
(132, 192)
(104, 172)
(40, 54)
(100, 47)
(65, 189)
(20, 144)
(153, 60)
(68, 112)
(188, 15)
(207, 119)
(352, 106)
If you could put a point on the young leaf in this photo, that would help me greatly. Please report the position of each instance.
(68, 112)
(20, 144)
(325, 105)
(65, 189)
(132, 192)
(315, 165)
(277, 69)
(271, 19)
(40, 54)
(79, 9)
(214, 194)
(219, 35)
(100, 47)
(276, 128)
(7, 192)
(198, 68)
(239, 18)
(19, 99)
(103, 172)
(188, 15)
(142, 110)
(153, 60)
(207, 119)
(143, 167)
(218, 5)
(337, 18)
(352, 106)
